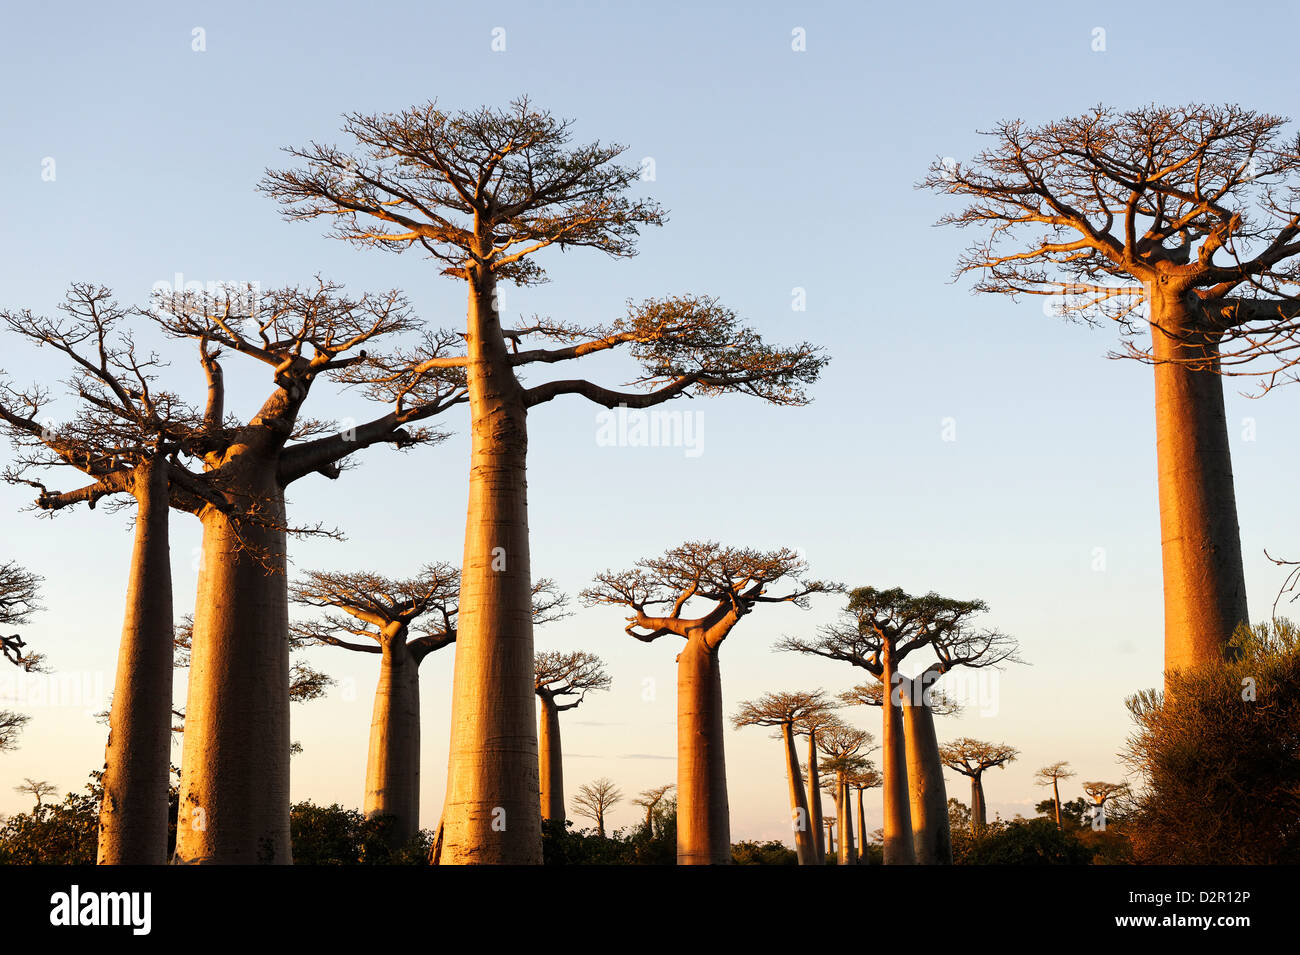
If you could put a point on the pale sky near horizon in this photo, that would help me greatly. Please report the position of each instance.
(781, 170)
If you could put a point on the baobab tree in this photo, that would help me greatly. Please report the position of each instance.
(842, 745)
(1101, 793)
(403, 622)
(862, 776)
(38, 788)
(126, 439)
(234, 800)
(876, 631)
(650, 799)
(782, 711)
(593, 800)
(971, 757)
(1184, 221)
(811, 726)
(730, 582)
(921, 701)
(559, 674)
(1052, 776)
(11, 725)
(485, 193)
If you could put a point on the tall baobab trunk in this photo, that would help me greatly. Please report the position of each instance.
(928, 795)
(805, 845)
(393, 761)
(830, 836)
(1056, 798)
(234, 801)
(551, 762)
(844, 817)
(899, 848)
(133, 813)
(862, 831)
(490, 814)
(977, 811)
(1205, 584)
(703, 817)
(815, 797)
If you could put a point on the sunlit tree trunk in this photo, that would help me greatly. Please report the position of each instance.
(1205, 584)
(703, 817)
(844, 818)
(551, 761)
(927, 793)
(393, 760)
(134, 810)
(862, 831)
(815, 798)
(899, 848)
(234, 800)
(805, 845)
(977, 811)
(490, 815)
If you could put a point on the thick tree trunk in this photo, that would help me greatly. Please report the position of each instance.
(862, 832)
(490, 814)
(1056, 798)
(703, 816)
(844, 815)
(928, 795)
(133, 813)
(815, 798)
(899, 848)
(393, 761)
(1205, 584)
(977, 812)
(234, 801)
(805, 845)
(830, 836)
(551, 761)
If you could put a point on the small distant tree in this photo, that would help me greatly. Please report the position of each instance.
(558, 675)
(403, 622)
(842, 745)
(811, 725)
(1052, 776)
(38, 788)
(783, 711)
(971, 757)
(730, 582)
(650, 799)
(1101, 793)
(862, 776)
(593, 800)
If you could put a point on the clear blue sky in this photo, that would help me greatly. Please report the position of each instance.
(780, 169)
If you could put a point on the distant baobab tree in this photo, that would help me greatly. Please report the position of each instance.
(971, 757)
(861, 777)
(1184, 221)
(234, 798)
(783, 711)
(38, 788)
(1052, 776)
(876, 631)
(845, 749)
(558, 674)
(1101, 793)
(484, 192)
(731, 582)
(649, 800)
(593, 800)
(811, 725)
(402, 621)
(831, 823)
(126, 438)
